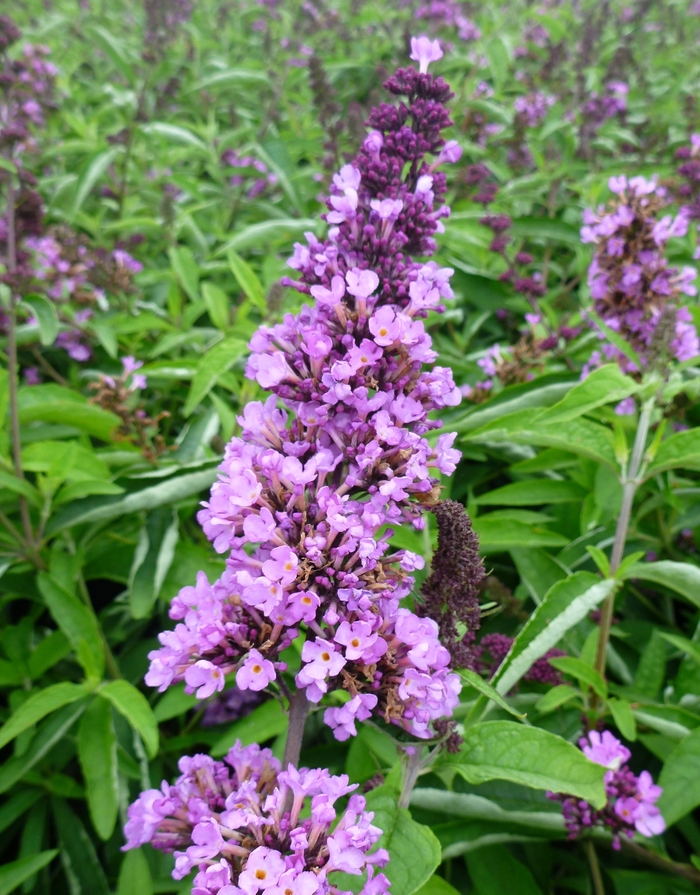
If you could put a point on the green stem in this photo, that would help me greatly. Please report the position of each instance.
(298, 711)
(630, 484)
(596, 875)
(12, 369)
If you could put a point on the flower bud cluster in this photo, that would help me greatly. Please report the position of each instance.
(631, 805)
(338, 453)
(634, 289)
(241, 824)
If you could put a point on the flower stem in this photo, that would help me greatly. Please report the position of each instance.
(12, 368)
(596, 875)
(298, 711)
(411, 770)
(630, 484)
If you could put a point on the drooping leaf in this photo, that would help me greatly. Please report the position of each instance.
(474, 807)
(499, 534)
(247, 280)
(54, 404)
(606, 385)
(680, 779)
(12, 875)
(682, 449)
(38, 706)
(97, 509)
(133, 705)
(505, 750)
(682, 577)
(624, 718)
(216, 361)
(77, 622)
(97, 751)
(472, 679)
(90, 176)
(80, 862)
(152, 559)
(532, 493)
(564, 606)
(583, 672)
(50, 733)
(186, 270)
(46, 316)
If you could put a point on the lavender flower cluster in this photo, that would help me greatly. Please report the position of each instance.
(239, 823)
(339, 452)
(631, 804)
(634, 289)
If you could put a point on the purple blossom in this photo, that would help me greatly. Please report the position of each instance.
(339, 452)
(233, 823)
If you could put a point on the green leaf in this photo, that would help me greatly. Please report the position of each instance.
(152, 559)
(682, 577)
(583, 672)
(472, 679)
(545, 229)
(514, 398)
(499, 534)
(578, 436)
(12, 875)
(76, 620)
(38, 706)
(16, 806)
(50, 733)
(530, 756)
(554, 698)
(247, 280)
(80, 862)
(218, 305)
(46, 316)
(97, 751)
(279, 230)
(414, 851)
(216, 361)
(97, 509)
(473, 807)
(532, 493)
(606, 385)
(615, 339)
(229, 76)
(436, 885)
(264, 722)
(537, 570)
(174, 702)
(20, 486)
(133, 705)
(42, 402)
(623, 718)
(49, 651)
(174, 133)
(86, 183)
(494, 871)
(565, 605)
(682, 449)
(186, 270)
(680, 779)
(682, 643)
(134, 874)
(651, 670)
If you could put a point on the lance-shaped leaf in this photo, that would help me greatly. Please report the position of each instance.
(680, 779)
(682, 449)
(12, 875)
(152, 559)
(97, 751)
(80, 862)
(216, 361)
(606, 385)
(78, 623)
(682, 577)
(133, 705)
(505, 750)
(39, 706)
(565, 605)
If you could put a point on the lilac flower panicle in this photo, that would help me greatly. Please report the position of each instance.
(339, 451)
(240, 824)
(634, 289)
(631, 805)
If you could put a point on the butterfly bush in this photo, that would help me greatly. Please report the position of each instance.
(635, 291)
(239, 823)
(631, 799)
(339, 452)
